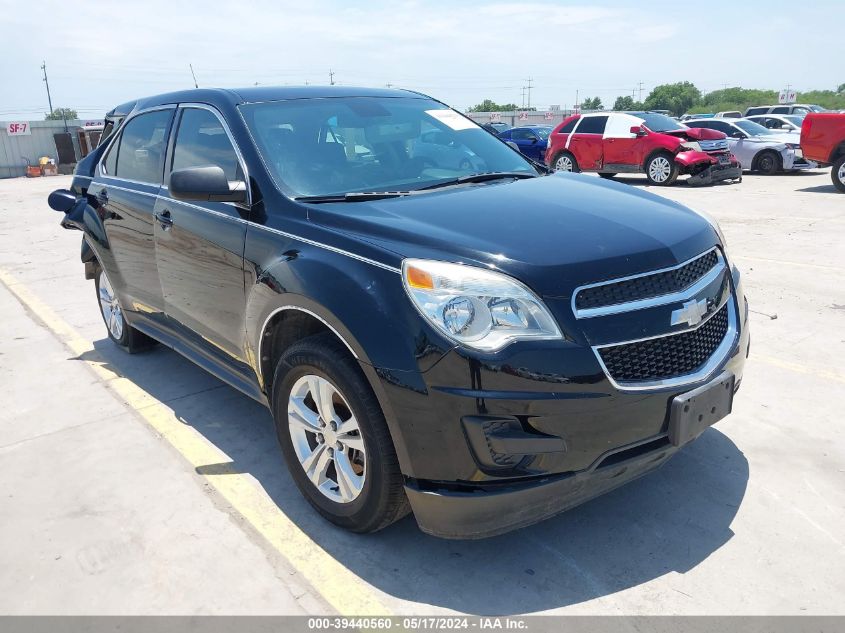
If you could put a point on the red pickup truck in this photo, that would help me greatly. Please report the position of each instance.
(823, 140)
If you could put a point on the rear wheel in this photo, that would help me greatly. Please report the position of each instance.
(118, 329)
(768, 162)
(661, 169)
(565, 161)
(334, 437)
(837, 173)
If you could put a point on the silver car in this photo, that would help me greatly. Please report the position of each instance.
(758, 148)
(779, 122)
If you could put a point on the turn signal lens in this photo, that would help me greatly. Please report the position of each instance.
(419, 278)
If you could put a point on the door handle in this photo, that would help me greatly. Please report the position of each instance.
(164, 220)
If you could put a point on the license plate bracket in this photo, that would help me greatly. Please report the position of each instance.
(724, 160)
(691, 413)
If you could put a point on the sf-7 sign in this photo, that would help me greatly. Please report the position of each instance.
(18, 128)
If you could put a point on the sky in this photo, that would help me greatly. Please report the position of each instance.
(100, 54)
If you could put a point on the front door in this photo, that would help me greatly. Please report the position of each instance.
(200, 245)
(527, 141)
(621, 148)
(124, 192)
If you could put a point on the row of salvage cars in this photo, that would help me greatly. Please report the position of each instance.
(707, 150)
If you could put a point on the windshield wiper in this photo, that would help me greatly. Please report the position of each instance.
(353, 196)
(482, 177)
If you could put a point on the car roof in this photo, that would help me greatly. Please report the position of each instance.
(253, 94)
(726, 119)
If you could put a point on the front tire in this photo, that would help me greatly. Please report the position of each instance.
(768, 162)
(837, 173)
(119, 331)
(334, 437)
(661, 169)
(565, 161)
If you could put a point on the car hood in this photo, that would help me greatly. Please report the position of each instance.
(781, 137)
(553, 233)
(697, 134)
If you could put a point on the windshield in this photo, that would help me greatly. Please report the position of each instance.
(543, 132)
(322, 147)
(754, 129)
(659, 122)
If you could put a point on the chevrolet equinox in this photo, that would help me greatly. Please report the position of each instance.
(436, 324)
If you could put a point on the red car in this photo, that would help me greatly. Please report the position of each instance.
(823, 140)
(641, 142)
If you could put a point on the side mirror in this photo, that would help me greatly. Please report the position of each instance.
(637, 130)
(737, 134)
(62, 200)
(205, 184)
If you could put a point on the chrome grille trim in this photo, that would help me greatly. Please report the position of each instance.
(719, 356)
(630, 306)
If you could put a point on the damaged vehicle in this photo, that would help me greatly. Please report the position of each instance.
(758, 148)
(647, 143)
(482, 345)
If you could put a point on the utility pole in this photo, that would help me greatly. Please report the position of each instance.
(388, 85)
(49, 99)
(577, 103)
(641, 92)
(331, 77)
(530, 81)
(196, 85)
(523, 97)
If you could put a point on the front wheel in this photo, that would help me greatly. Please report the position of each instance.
(118, 329)
(565, 161)
(837, 173)
(334, 437)
(661, 169)
(768, 163)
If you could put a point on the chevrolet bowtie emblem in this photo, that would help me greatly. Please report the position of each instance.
(691, 313)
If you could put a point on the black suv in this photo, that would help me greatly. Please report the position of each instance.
(444, 330)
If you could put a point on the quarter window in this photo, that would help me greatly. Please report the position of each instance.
(140, 155)
(592, 125)
(202, 141)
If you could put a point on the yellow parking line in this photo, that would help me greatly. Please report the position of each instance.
(341, 588)
(799, 368)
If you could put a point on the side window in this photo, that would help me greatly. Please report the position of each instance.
(592, 125)
(566, 129)
(201, 141)
(522, 134)
(141, 152)
(110, 164)
(780, 110)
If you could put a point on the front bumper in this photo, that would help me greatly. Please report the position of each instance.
(716, 173)
(481, 512)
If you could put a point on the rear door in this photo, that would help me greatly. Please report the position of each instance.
(586, 142)
(199, 245)
(124, 191)
(621, 148)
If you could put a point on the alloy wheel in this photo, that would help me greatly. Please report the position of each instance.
(659, 169)
(841, 173)
(110, 307)
(326, 438)
(564, 163)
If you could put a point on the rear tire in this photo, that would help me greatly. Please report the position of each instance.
(837, 173)
(661, 169)
(345, 467)
(768, 162)
(119, 331)
(565, 161)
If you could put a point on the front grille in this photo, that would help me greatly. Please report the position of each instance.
(714, 145)
(667, 356)
(647, 286)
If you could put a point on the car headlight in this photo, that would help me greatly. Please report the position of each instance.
(690, 146)
(478, 308)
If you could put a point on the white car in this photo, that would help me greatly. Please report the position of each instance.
(779, 122)
(759, 148)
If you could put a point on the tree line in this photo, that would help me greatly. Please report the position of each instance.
(683, 97)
